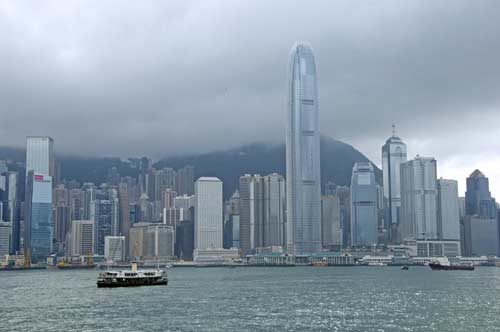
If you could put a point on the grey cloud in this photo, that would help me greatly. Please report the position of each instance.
(157, 77)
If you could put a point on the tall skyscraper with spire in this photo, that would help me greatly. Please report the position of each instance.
(393, 154)
(303, 154)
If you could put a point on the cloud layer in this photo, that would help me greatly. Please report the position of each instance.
(159, 78)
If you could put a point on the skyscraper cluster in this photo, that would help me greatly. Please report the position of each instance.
(163, 212)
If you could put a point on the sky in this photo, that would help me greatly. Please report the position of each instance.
(118, 78)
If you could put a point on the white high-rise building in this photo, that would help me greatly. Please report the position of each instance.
(208, 212)
(82, 237)
(40, 155)
(448, 210)
(419, 200)
(303, 154)
(393, 154)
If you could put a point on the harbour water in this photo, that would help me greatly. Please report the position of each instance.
(256, 299)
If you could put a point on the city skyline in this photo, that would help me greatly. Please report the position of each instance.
(425, 82)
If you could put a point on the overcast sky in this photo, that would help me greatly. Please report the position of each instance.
(165, 77)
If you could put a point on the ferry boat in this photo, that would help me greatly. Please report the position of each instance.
(131, 278)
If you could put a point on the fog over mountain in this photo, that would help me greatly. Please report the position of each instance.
(163, 78)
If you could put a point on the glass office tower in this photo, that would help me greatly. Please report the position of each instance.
(39, 228)
(303, 154)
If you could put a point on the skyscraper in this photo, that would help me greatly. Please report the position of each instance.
(364, 209)
(419, 199)
(448, 210)
(124, 214)
(40, 155)
(105, 212)
(38, 225)
(82, 237)
(262, 208)
(208, 214)
(303, 154)
(393, 154)
(11, 207)
(478, 200)
(331, 227)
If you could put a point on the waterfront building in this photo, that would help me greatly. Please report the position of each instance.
(331, 228)
(481, 236)
(303, 154)
(11, 208)
(38, 223)
(114, 248)
(40, 155)
(274, 199)
(208, 213)
(419, 199)
(184, 239)
(448, 210)
(438, 248)
(216, 255)
(82, 238)
(364, 208)
(246, 209)
(5, 238)
(393, 154)
(151, 241)
(262, 211)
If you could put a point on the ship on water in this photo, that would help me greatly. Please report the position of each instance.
(445, 265)
(132, 277)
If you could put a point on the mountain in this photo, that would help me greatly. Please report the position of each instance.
(337, 160)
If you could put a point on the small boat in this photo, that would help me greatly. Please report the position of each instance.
(320, 263)
(376, 264)
(131, 278)
(404, 267)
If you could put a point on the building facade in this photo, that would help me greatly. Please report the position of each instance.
(419, 200)
(448, 210)
(38, 224)
(208, 213)
(393, 154)
(331, 227)
(82, 237)
(151, 240)
(364, 208)
(114, 248)
(40, 155)
(303, 154)
(478, 200)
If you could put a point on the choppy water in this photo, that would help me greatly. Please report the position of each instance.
(257, 299)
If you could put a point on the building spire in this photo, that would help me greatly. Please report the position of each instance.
(393, 130)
